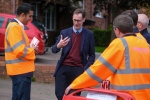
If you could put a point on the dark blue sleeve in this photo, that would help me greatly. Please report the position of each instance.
(91, 53)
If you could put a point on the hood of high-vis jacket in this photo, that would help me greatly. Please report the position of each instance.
(127, 61)
(19, 57)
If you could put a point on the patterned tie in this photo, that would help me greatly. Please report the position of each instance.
(77, 32)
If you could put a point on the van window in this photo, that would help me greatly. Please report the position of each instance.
(1, 21)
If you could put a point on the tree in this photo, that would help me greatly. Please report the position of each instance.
(121, 4)
(115, 6)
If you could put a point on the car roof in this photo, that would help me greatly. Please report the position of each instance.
(7, 15)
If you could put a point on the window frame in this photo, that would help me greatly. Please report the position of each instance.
(99, 14)
(50, 28)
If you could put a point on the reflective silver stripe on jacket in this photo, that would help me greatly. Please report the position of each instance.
(93, 76)
(131, 87)
(11, 49)
(8, 49)
(25, 53)
(126, 54)
(104, 62)
(14, 61)
(127, 70)
(24, 39)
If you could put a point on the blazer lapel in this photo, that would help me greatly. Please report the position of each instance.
(83, 37)
(69, 34)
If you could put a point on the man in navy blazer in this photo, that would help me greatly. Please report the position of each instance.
(78, 53)
(142, 25)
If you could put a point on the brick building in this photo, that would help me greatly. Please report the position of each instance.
(53, 16)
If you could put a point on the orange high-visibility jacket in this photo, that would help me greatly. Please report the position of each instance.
(19, 57)
(127, 61)
(139, 35)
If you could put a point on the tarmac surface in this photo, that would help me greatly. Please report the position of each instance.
(39, 91)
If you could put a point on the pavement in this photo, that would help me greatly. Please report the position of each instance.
(39, 91)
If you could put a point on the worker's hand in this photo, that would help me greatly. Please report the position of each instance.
(68, 89)
(63, 42)
(36, 49)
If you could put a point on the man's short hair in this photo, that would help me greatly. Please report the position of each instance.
(124, 23)
(24, 8)
(132, 14)
(80, 11)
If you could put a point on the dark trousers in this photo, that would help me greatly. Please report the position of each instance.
(21, 87)
(64, 77)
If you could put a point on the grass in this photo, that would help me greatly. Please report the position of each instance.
(32, 79)
(99, 49)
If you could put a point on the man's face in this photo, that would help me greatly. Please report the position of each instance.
(78, 21)
(28, 17)
(139, 25)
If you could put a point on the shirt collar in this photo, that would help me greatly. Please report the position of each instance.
(80, 30)
(19, 23)
(135, 30)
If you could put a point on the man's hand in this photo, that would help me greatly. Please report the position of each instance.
(36, 50)
(63, 42)
(68, 89)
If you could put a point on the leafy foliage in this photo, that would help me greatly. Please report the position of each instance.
(121, 4)
(99, 49)
(102, 37)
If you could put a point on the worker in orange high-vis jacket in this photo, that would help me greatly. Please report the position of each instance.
(134, 17)
(126, 60)
(19, 55)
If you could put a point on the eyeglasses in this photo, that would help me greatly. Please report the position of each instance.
(78, 21)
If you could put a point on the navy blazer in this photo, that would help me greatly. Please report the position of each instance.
(87, 47)
(146, 35)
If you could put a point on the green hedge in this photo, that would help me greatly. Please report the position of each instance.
(102, 37)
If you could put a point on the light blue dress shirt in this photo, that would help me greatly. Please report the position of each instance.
(80, 30)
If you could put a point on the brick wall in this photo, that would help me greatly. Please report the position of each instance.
(89, 7)
(3, 73)
(5, 6)
(43, 72)
(9, 6)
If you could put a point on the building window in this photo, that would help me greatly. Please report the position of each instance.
(99, 14)
(35, 5)
(136, 10)
(50, 18)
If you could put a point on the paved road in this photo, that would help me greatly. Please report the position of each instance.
(39, 91)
